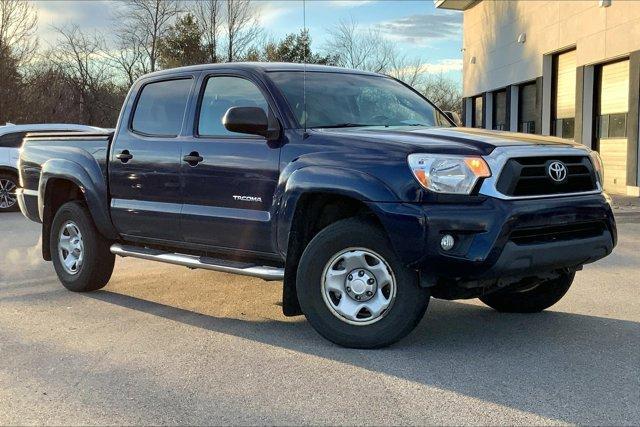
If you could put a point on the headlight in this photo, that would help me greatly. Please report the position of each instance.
(597, 164)
(448, 173)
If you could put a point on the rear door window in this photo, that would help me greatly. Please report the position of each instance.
(160, 108)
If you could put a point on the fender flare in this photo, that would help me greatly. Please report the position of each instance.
(406, 219)
(329, 180)
(89, 178)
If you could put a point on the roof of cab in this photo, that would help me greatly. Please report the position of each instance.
(260, 66)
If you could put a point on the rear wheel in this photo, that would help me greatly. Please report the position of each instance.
(80, 255)
(8, 187)
(531, 299)
(353, 289)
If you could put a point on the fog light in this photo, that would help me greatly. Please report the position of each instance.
(447, 242)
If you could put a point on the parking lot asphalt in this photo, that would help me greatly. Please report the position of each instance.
(166, 345)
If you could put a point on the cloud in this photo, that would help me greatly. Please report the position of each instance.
(269, 13)
(90, 15)
(443, 66)
(438, 67)
(421, 28)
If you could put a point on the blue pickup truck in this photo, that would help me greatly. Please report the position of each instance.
(350, 187)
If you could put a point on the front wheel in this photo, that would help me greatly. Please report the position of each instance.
(531, 299)
(80, 255)
(353, 289)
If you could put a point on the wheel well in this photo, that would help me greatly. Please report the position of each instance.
(59, 191)
(10, 171)
(313, 213)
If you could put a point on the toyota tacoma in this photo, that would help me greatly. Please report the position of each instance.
(350, 187)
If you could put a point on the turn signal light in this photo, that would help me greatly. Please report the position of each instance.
(478, 167)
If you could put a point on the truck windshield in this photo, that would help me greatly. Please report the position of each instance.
(350, 100)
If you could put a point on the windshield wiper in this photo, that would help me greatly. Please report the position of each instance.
(341, 125)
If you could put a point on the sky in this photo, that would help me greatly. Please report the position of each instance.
(417, 28)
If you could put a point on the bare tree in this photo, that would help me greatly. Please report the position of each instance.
(143, 23)
(209, 16)
(410, 71)
(242, 29)
(81, 58)
(18, 25)
(367, 49)
(129, 57)
(363, 49)
(443, 91)
(18, 43)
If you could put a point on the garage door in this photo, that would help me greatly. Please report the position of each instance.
(477, 112)
(500, 110)
(527, 108)
(565, 95)
(611, 124)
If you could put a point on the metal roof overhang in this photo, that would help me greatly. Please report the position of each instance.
(455, 4)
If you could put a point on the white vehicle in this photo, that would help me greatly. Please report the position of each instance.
(10, 141)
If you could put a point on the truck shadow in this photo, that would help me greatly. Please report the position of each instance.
(569, 367)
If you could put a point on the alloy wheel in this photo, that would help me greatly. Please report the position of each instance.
(70, 247)
(8, 197)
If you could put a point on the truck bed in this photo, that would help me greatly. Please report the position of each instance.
(38, 148)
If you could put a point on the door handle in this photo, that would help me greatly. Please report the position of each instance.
(124, 156)
(193, 158)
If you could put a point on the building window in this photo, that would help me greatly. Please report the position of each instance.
(527, 110)
(612, 125)
(477, 112)
(564, 94)
(500, 110)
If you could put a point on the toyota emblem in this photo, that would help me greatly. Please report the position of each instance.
(557, 171)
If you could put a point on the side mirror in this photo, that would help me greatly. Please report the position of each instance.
(454, 117)
(250, 120)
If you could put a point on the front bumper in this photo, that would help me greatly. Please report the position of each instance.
(498, 238)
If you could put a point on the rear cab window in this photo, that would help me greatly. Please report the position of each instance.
(160, 108)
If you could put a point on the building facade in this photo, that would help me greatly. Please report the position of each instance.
(564, 68)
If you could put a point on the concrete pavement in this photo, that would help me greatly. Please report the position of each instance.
(166, 345)
(626, 208)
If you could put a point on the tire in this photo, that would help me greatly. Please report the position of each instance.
(533, 299)
(8, 187)
(332, 253)
(94, 262)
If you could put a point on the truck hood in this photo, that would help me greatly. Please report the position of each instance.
(457, 139)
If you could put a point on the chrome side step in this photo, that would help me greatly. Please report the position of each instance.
(193, 261)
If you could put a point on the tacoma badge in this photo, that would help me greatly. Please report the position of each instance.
(248, 198)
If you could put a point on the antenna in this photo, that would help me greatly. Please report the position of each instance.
(304, 67)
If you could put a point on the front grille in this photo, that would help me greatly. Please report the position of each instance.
(528, 176)
(557, 233)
